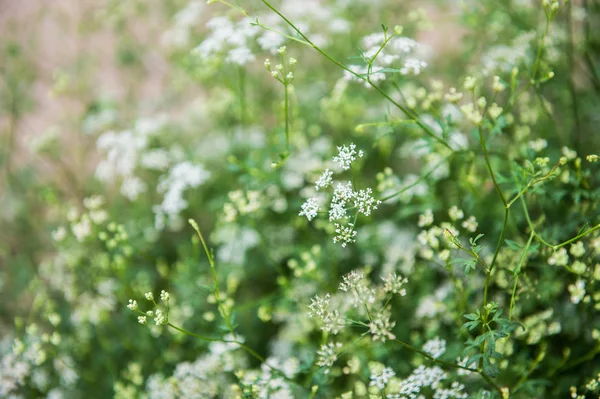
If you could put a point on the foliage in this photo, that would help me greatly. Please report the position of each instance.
(322, 199)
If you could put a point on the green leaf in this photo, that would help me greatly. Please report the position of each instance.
(513, 245)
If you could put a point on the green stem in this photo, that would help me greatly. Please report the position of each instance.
(242, 82)
(287, 117)
(213, 270)
(517, 273)
(238, 8)
(345, 68)
(538, 57)
(489, 166)
(496, 252)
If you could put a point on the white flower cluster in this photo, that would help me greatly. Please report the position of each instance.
(398, 53)
(344, 197)
(160, 317)
(359, 296)
(242, 203)
(207, 376)
(178, 35)
(435, 347)
(346, 155)
(123, 150)
(228, 39)
(331, 319)
(82, 224)
(381, 379)
(181, 176)
(327, 356)
(421, 377)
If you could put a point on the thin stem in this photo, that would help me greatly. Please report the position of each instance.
(496, 252)
(242, 82)
(426, 129)
(419, 180)
(265, 27)
(287, 117)
(538, 57)
(489, 166)
(213, 269)
(191, 334)
(546, 243)
(517, 273)
(238, 8)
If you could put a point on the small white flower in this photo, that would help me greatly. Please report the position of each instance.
(412, 66)
(351, 280)
(436, 347)
(149, 296)
(164, 296)
(59, 234)
(577, 291)
(325, 180)
(538, 145)
(559, 258)
(381, 326)
(393, 284)
(470, 224)
(380, 380)
(133, 305)
(455, 213)
(142, 319)
(426, 219)
(364, 201)
(310, 208)
(327, 355)
(345, 234)
(577, 250)
(159, 318)
(346, 155)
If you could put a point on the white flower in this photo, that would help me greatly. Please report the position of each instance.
(577, 291)
(82, 229)
(436, 347)
(470, 224)
(310, 208)
(425, 219)
(351, 280)
(240, 56)
(345, 234)
(577, 250)
(327, 355)
(341, 195)
(412, 66)
(159, 318)
(164, 296)
(393, 284)
(325, 180)
(380, 380)
(538, 145)
(133, 305)
(381, 326)
(455, 213)
(59, 234)
(133, 187)
(364, 201)
(93, 202)
(559, 258)
(149, 296)
(346, 155)
(142, 319)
